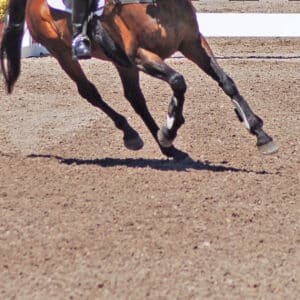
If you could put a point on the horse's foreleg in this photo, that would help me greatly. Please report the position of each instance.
(199, 52)
(88, 91)
(154, 66)
(133, 93)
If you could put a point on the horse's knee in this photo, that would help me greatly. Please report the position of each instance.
(177, 83)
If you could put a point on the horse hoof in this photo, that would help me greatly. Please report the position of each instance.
(134, 144)
(163, 141)
(268, 148)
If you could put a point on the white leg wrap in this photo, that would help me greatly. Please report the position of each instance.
(170, 122)
(242, 114)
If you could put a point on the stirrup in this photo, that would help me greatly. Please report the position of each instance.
(81, 47)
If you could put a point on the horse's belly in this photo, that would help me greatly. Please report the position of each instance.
(148, 32)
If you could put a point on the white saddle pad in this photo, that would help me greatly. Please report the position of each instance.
(66, 6)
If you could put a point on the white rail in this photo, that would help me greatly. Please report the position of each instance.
(249, 25)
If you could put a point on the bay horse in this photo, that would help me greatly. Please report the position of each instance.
(135, 35)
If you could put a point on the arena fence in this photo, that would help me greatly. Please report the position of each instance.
(30, 48)
(249, 25)
(218, 25)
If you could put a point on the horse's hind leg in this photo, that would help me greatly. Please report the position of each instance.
(132, 91)
(199, 52)
(154, 66)
(88, 91)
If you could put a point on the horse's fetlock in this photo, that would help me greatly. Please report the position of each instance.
(169, 134)
(122, 124)
(256, 124)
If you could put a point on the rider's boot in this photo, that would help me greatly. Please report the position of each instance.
(81, 44)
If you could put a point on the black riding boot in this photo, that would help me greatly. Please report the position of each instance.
(81, 45)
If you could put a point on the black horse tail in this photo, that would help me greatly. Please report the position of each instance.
(12, 42)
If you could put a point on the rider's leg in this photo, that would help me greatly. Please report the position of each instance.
(81, 45)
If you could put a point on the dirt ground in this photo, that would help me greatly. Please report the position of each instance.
(248, 6)
(81, 217)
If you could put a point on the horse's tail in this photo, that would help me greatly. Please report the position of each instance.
(11, 43)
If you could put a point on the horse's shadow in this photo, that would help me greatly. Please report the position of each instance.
(157, 164)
